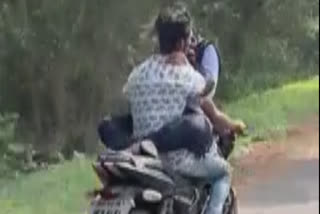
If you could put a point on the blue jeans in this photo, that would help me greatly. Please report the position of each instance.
(220, 191)
(190, 148)
(212, 168)
(220, 188)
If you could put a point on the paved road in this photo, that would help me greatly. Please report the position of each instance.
(293, 191)
(292, 188)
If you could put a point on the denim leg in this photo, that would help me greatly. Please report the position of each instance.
(220, 189)
(220, 180)
(212, 167)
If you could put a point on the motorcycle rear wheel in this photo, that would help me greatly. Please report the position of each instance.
(231, 205)
(139, 211)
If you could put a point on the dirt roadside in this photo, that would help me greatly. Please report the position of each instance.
(267, 157)
(281, 177)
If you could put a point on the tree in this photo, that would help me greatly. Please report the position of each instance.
(63, 62)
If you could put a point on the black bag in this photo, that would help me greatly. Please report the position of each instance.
(116, 132)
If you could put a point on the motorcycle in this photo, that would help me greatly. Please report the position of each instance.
(136, 183)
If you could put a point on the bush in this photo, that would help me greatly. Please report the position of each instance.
(7, 137)
(7, 131)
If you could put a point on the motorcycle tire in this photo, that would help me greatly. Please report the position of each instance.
(231, 205)
(139, 211)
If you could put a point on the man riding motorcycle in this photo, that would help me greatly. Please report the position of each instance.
(169, 104)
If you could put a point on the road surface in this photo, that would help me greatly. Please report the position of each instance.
(284, 177)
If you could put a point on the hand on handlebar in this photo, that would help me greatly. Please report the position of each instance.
(233, 128)
(238, 127)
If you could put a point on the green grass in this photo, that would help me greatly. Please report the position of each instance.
(61, 190)
(271, 112)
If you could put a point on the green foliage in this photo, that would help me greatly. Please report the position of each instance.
(264, 44)
(7, 131)
(63, 62)
(7, 138)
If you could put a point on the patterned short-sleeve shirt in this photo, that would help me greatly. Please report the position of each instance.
(158, 93)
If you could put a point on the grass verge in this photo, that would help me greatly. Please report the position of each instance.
(60, 189)
(271, 112)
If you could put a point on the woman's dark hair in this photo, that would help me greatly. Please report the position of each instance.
(172, 25)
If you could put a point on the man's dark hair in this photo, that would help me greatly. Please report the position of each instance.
(172, 25)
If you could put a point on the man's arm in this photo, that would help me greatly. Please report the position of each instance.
(221, 121)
